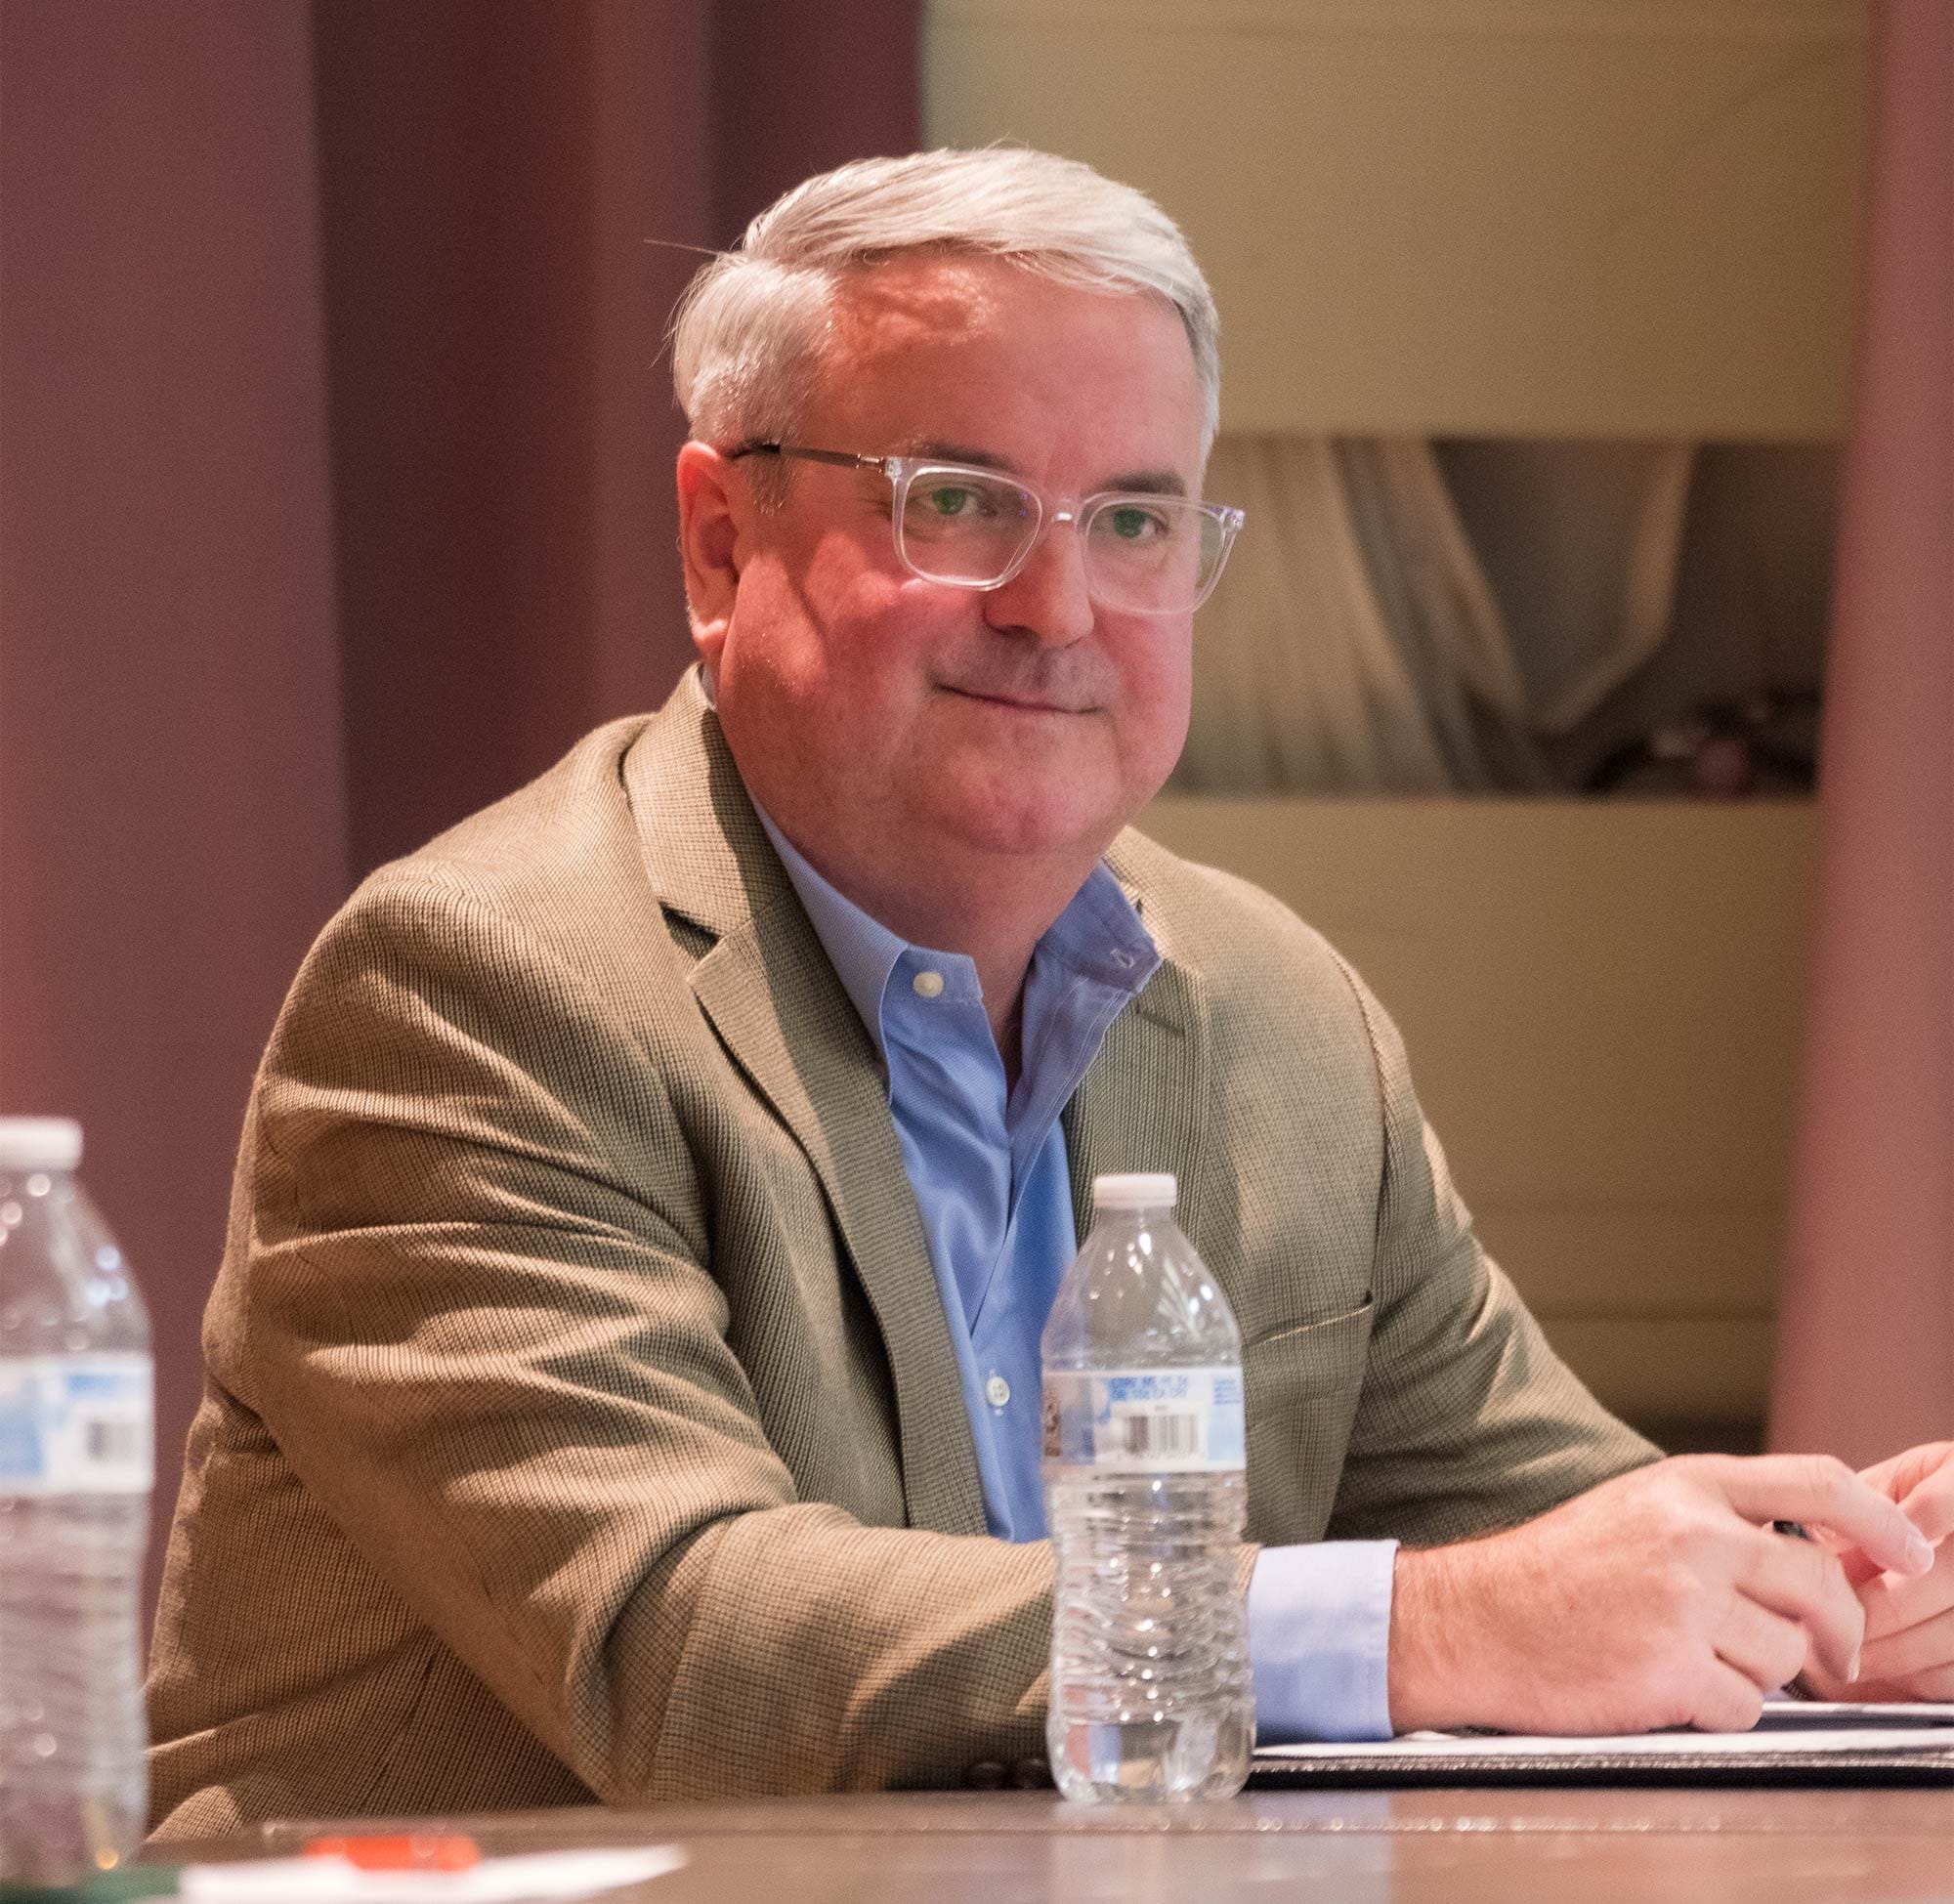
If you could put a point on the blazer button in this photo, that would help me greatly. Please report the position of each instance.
(1030, 1775)
(987, 1775)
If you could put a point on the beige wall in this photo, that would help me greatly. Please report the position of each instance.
(1454, 216)
(1602, 1002)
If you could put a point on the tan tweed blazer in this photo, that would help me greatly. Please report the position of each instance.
(582, 1416)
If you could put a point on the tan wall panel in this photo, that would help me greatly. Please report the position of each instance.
(1651, 1373)
(1621, 217)
(1601, 1001)
(1616, 1262)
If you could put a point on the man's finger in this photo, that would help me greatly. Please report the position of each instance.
(1765, 1647)
(1799, 1581)
(1929, 1505)
(1729, 1701)
(1927, 1646)
(1896, 1476)
(1894, 1604)
(1819, 1491)
(1936, 1687)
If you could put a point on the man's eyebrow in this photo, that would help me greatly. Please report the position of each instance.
(1146, 483)
(1149, 483)
(957, 452)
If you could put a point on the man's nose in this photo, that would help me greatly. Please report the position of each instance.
(1048, 598)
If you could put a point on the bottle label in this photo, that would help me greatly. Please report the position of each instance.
(77, 1425)
(1144, 1421)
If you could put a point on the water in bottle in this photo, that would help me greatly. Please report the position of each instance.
(1144, 1498)
(77, 1430)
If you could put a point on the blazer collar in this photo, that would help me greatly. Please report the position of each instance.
(1143, 1105)
(706, 854)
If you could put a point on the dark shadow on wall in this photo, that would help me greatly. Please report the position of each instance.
(513, 197)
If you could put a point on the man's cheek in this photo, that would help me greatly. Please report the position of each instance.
(1161, 701)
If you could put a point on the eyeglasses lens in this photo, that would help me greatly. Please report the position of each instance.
(1156, 554)
(1152, 554)
(961, 526)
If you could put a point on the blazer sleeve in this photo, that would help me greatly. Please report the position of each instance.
(1467, 1420)
(469, 1299)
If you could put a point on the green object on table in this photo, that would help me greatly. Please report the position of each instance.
(130, 1880)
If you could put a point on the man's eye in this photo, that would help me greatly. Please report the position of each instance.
(951, 500)
(1131, 524)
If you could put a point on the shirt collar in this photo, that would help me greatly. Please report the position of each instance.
(1098, 935)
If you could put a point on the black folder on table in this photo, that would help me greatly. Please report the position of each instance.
(1794, 1743)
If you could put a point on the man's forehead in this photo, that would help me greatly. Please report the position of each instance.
(918, 297)
(943, 297)
(893, 323)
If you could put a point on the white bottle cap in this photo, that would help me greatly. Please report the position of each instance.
(40, 1143)
(1157, 1191)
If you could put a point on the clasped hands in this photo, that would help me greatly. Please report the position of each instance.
(1663, 1598)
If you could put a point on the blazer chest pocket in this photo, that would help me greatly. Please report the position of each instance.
(1301, 1387)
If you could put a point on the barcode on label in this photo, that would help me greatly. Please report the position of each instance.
(1143, 1420)
(1161, 1434)
(116, 1442)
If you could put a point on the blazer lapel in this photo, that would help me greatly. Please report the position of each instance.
(1143, 1103)
(775, 1002)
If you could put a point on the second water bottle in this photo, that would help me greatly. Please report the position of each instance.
(1151, 1695)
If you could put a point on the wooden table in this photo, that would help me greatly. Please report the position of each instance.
(1343, 1847)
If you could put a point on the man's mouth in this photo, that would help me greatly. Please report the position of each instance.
(1019, 703)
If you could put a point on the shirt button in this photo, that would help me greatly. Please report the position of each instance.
(996, 1392)
(927, 985)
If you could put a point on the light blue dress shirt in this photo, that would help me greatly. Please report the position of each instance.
(992, 1184)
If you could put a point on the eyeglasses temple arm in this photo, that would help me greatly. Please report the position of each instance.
(839, 457)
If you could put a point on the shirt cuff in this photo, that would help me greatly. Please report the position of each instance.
(1319, 1642)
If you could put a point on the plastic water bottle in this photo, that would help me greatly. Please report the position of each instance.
(76, 1466)
(1144, 1496)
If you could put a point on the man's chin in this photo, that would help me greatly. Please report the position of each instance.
(1023, 822)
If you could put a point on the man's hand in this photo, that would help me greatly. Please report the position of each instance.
(1909, 1642)
(1659, 1598)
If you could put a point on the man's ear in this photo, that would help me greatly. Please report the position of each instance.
(713, 506)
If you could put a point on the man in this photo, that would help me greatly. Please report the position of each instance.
(624, 1368)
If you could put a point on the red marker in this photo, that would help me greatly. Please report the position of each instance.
(415, 1851)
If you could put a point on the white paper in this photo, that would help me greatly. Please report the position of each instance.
(535, 1875)
(1794, 1726)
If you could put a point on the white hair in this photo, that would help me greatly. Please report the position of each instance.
(747, 333)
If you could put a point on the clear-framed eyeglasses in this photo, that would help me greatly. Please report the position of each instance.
(968, 527)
